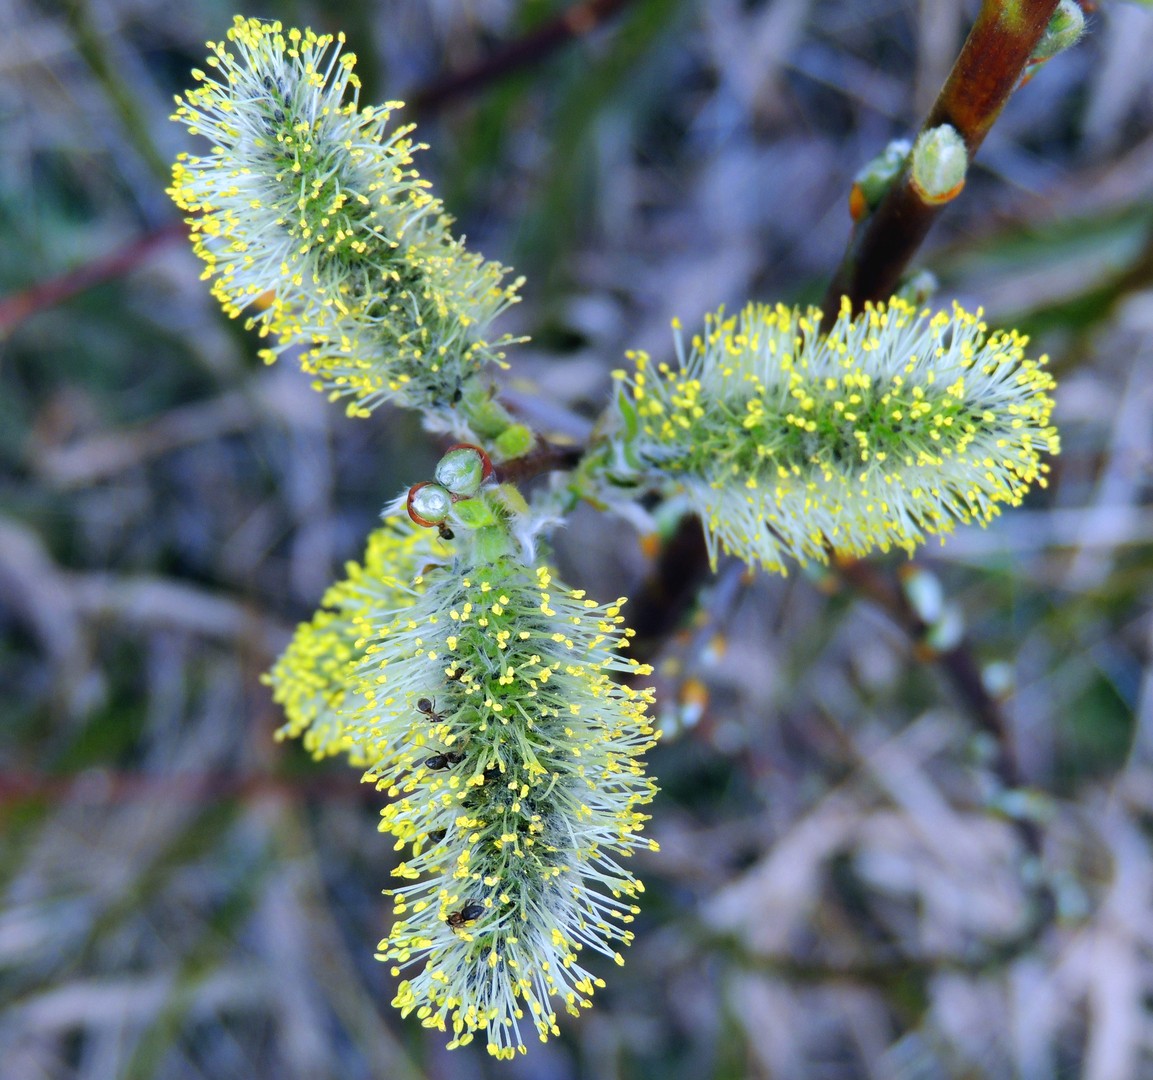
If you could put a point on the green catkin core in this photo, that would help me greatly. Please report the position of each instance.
(477, 694)
(891, 426)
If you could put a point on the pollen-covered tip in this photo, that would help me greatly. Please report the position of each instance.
(887, 428)
(314, 679)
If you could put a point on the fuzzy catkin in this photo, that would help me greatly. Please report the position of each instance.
(314, 678)
(790, 442)
(479, 698)
(309, 215)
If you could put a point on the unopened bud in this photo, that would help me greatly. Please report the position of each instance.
(924, 593)
(919, 288)
(463, 469)
(428, 503)
(939, 164)
(515, 441)
(1063, 32)
(876, 177)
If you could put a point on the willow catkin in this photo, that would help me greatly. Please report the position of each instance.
(793, 442)
(308, 208)
(478, 696)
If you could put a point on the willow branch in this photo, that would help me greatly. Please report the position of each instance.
(984, 76)
(540, 42)
(961, 669)
(545, 457)
(987, 71)
(16, 307)
(575, 22)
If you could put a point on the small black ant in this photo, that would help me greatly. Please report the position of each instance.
(437, 835)
(428, 707)
(469, 913)
(443, 761)
(445, 532)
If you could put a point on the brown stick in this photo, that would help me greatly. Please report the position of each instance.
(17, 307)
(957, 662)
(962, 671)
(660, 602)
(580, 19)
(986, 73)
(544, 457)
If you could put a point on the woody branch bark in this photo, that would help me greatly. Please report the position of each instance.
(962, 670)
(986, 73)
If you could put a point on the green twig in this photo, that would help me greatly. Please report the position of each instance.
(91, 45)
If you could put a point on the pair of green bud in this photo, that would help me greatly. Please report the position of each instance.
(459, 475)
(461, 495)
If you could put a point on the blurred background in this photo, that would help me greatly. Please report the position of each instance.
(843, 890)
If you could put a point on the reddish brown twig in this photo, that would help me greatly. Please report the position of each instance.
(661, 601)
(544, 457)
(577, 21)
(957, 662)
(962, 671)
(17, 307)
(106, 786)
(986, 73)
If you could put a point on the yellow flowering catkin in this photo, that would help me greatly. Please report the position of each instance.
(308, 214)
(790, 442)
(478, 696)
(314, 680)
